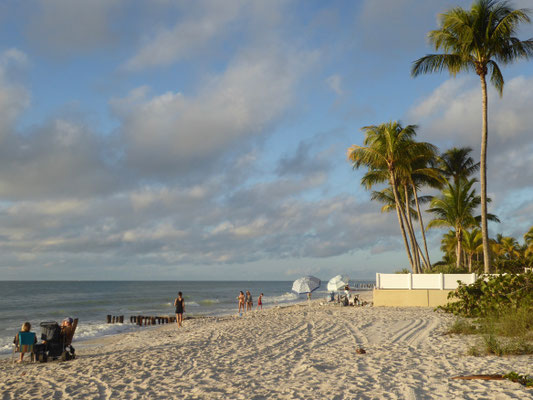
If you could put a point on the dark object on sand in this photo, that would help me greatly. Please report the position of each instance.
(360, 350)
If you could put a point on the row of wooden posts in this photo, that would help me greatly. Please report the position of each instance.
(141, 319)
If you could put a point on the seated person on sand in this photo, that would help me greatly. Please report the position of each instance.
(26, 326)
(68, 327)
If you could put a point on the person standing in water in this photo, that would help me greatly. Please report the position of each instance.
(241, 301)
(179, 303)
(249, 301)
(260, 301)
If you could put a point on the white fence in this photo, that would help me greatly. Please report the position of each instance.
(422, 281)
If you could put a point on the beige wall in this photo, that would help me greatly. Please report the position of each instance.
(410, 298)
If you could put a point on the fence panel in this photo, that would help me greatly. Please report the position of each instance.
(422, 281)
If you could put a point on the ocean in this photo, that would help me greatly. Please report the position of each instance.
(92, 301)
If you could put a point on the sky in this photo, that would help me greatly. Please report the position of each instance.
(206, 140)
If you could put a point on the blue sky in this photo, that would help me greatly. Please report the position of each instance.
(207, 140)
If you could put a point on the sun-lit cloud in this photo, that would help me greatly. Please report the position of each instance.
(174, 131)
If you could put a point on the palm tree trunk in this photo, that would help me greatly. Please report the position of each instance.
(483, 177)
(414, 243)
(400, 221)
(423, 259)
(428, 263)
(458, 248)
(470, 262)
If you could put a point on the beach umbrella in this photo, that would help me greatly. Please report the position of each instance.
(337, 283)
(306, 284)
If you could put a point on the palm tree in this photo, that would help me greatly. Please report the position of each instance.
(472, 244)
(456, 164)
(420, 172)
(448, 244)
(387, 148)
(386, 197)
(528, 237)
(477, 40)
(455, 209)
(506, 247)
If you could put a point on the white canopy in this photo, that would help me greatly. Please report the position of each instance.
(337, 283)
(306, 284)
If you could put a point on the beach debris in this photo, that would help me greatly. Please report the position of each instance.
(525, 380)
(360, 350)
(482, 377)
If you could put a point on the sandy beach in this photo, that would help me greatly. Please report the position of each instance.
(305, 351)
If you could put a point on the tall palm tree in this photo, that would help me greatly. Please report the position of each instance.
(477, 40)
(386, 197)
(386, 148)
(418, 172)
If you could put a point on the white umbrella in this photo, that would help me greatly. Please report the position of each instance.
(337, 283)
(306, 284)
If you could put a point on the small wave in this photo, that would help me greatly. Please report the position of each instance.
(192, 304)
(286, 297)
(90, 331)
(209, 302)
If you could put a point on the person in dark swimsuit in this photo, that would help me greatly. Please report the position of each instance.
(179, 303)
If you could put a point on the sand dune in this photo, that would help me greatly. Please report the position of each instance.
(299, 352)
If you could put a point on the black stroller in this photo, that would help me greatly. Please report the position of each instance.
(56, 342)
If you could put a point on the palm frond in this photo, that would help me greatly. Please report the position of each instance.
(454, 63)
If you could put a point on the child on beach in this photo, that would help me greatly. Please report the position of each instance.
(249, 301)
(241, 301)
(260, 301)
(179, 303)
(26, 326)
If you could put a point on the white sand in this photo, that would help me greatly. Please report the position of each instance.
(300, 352)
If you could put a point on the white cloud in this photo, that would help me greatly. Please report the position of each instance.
(207, 21)
(174, 131)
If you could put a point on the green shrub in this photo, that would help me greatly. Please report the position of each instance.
(525, 380)
(492, 296)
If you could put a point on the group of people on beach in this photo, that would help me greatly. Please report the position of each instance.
(26, 328)
(246, 302)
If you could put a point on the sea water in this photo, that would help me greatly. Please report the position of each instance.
(92, 301)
